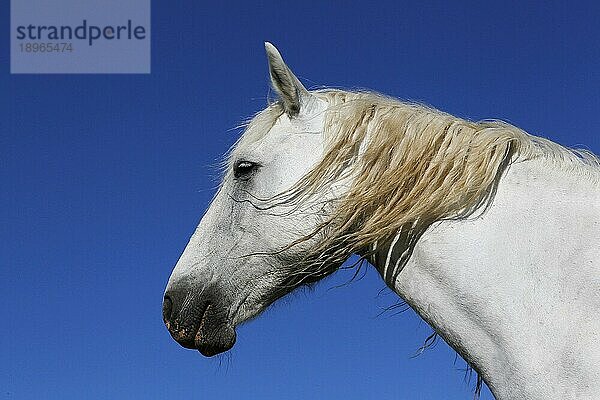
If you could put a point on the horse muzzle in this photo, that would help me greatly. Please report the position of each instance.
(198, 321)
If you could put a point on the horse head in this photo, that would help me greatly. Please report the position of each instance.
(256, 241)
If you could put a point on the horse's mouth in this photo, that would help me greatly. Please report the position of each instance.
(207, 331)
(214, 335)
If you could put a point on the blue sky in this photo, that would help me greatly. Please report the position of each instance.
(104, 178)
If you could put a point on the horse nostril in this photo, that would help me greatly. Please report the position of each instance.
(167, 309)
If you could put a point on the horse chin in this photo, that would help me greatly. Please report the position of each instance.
(214, 336)
(217, 345)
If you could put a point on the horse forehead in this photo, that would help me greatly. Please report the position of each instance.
(307, 123)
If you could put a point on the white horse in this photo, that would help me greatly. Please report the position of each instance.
(488, 233)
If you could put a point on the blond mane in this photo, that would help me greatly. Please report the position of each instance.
(408, 166)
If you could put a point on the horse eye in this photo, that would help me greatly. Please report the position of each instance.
(243, 169)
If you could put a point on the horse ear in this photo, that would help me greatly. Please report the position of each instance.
(285, 83)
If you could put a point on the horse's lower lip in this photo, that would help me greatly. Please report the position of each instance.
(213, 337)
(209, 351)
(223, 342)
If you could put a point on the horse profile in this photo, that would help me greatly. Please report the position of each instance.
(490, 234)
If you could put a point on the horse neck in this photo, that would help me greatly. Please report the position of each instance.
(514, 291)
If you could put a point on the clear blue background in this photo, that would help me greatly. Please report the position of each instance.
(104, 177)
